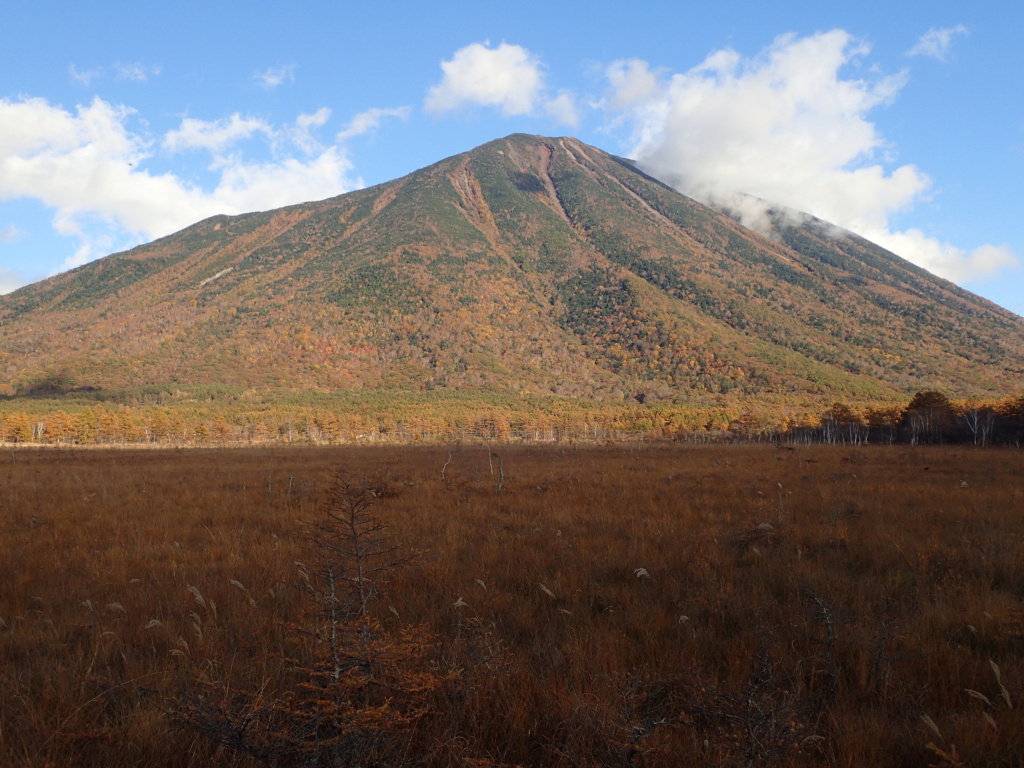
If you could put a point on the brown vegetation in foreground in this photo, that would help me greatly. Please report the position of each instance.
(663, 606)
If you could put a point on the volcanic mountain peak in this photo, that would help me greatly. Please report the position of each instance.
(528, 264)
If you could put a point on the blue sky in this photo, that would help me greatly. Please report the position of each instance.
(122, 122)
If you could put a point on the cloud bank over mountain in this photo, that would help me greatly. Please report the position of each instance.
(788, 126)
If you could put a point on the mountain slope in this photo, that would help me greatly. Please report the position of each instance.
(528, 264)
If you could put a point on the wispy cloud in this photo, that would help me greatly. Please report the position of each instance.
(12, 234)
(136, 73)
(131, 72)
(275, 76)
(935, 43)
(214, 135)
(632, 83)
(785, 126)
(370, 120)
(86, 77)
(563, 109)
(302, 133)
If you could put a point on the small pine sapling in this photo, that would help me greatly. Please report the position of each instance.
(358, 688)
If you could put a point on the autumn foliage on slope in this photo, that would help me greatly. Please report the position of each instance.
(527, 265)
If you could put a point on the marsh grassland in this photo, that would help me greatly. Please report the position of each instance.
(535, 606)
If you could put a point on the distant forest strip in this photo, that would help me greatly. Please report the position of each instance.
(219, 418)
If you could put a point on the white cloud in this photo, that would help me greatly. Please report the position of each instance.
(302, 133)
(935, 43)
(508, 77)
(11, 234)
(215, 135)
(133, 72)
(261, 186)
(563, 109)
(944, 259)
(368, 121)
(96, 241)
(136, 73)
(85, 78)
(275, 76)
(788, 128)
(10, 280)
(86, 165)
(632, 83)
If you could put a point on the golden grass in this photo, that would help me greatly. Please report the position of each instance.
(663, 606)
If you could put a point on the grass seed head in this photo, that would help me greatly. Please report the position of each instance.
(978, 695)
(931, 725)
(1002, 688)
(197, 595)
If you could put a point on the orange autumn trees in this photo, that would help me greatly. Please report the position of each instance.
(199, 417)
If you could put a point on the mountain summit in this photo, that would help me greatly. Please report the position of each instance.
(528, 264)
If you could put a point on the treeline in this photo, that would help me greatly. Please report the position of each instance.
(184, 425)
(928, 418)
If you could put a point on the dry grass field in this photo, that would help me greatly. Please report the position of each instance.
(662, 605)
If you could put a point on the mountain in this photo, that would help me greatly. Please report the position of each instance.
(530, 264)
